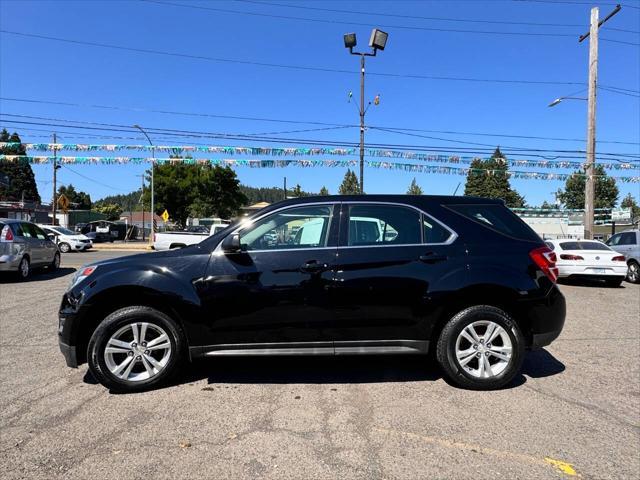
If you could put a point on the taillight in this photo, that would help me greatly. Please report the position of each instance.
(545, 259)
(619, 258)
(6, 235)
(567, 256)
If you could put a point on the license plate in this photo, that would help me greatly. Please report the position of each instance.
(599, 270)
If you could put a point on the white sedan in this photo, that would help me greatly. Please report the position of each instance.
(588, 259)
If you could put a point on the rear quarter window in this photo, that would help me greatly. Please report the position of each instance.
(498, 218)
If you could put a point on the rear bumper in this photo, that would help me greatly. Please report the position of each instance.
(588, 271)
(9, 263)
(69, 354)
(545, 318)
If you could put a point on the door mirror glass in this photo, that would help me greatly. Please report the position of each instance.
(231, 243)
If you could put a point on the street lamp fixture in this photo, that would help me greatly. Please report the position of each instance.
(377, 41)
(558, 100)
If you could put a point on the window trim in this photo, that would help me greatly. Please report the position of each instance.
(452, 234)
(333, 206)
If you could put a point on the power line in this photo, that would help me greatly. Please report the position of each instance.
(412, 17)
(286, 66)
(341, 22)
(67, 167)
(633, 44)
(620, 92)
(303, 122)
(191, 134)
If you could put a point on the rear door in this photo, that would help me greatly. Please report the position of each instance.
(391, 257)
(36, 249)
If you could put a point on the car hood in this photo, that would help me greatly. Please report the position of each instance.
(152, 259)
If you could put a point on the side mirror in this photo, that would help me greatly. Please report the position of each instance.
(51, 236)
(231, 243)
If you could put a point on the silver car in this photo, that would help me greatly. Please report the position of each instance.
(628, 244)
(24, 246)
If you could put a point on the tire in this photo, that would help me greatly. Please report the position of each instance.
(633, 272)
(24, 269)
(176, 245)
(64, 247)
(55, 263)
(138, 378)
(468, 371)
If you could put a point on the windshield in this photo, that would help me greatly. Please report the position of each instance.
(583, 246)
(63, 231)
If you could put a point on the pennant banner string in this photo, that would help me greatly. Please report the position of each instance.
(292, 152)
(407, 167)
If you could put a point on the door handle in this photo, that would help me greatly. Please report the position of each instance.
(313, 266)
(431, 257)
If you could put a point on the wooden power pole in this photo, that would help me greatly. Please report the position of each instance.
(590, 181)
(54, 200)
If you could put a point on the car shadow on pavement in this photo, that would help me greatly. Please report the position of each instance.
(588, 283)
(36, 276)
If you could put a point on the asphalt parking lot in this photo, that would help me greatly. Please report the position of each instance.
(575, 410)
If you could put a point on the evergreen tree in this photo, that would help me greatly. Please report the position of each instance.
(78, 200)
(111, 210)
(492, 184)
(546, 206)
(324, 191)
(606, 190)
(297, 191)
(630, 202)
(17, 176)
(414, 188)
(349, 185)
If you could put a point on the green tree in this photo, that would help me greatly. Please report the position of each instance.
(111, 210)
(490, 179)
(297, 191)
(324, 191)
(606, 190)
(184, 189)
(414, 188)
(127, 201)
(630, 202)
(18, 178)
(349, 185)
(79, 200)
(546, 206)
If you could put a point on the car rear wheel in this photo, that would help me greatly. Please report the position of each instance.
(135, 349)
(64, 247)
(55, 263)
(24, 269)
(633, 272)
(481, 348)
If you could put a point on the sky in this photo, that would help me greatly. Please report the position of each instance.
(485, 114)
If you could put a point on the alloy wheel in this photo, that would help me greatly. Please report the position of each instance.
(138, 351)
(633, 273)
(24, 268)
(483, 349)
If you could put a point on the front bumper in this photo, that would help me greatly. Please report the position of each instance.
(69, 354)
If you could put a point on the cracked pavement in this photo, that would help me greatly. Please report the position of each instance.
(577, 402)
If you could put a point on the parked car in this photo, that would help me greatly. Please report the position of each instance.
(67, 240)
(588, 259)
(169, 240)
(628, 244)
(463, 277)
(24, 246)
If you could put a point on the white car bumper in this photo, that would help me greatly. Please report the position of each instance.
(593, 270)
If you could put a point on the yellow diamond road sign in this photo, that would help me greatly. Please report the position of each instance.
(165, 215)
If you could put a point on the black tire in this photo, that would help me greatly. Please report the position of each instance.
(613, 282)
(633, 272)
(55, 263)
(114, 322)
(24, 269)
(447, 346)
(64, 247)
(176, 245)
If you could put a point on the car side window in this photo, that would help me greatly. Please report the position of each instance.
(297, 227)
(433, 232)
(627, 238)
(27, 230)
(383, 225)
(614, 240)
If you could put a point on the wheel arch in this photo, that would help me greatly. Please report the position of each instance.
(115, 298)
(494, 295)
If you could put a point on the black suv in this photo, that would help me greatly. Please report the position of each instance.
(462, 277)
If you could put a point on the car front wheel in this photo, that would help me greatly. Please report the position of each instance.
(64, 247)
(135, 349)
(481, 348)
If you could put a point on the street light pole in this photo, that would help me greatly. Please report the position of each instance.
(377, 42)
(153, 164)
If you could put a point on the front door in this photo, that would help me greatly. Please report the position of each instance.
(273, 293)
(390, 263)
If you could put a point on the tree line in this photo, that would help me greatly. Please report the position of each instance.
(204, 190)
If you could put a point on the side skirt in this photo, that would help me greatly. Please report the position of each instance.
(360, 347)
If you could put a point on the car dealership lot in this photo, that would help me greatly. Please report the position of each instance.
(576, 403)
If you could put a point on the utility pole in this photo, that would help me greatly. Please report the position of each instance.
(362, 112)
(142, 203)
(589, 191)
(153, 165)
(285, 188)
(54, 200)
